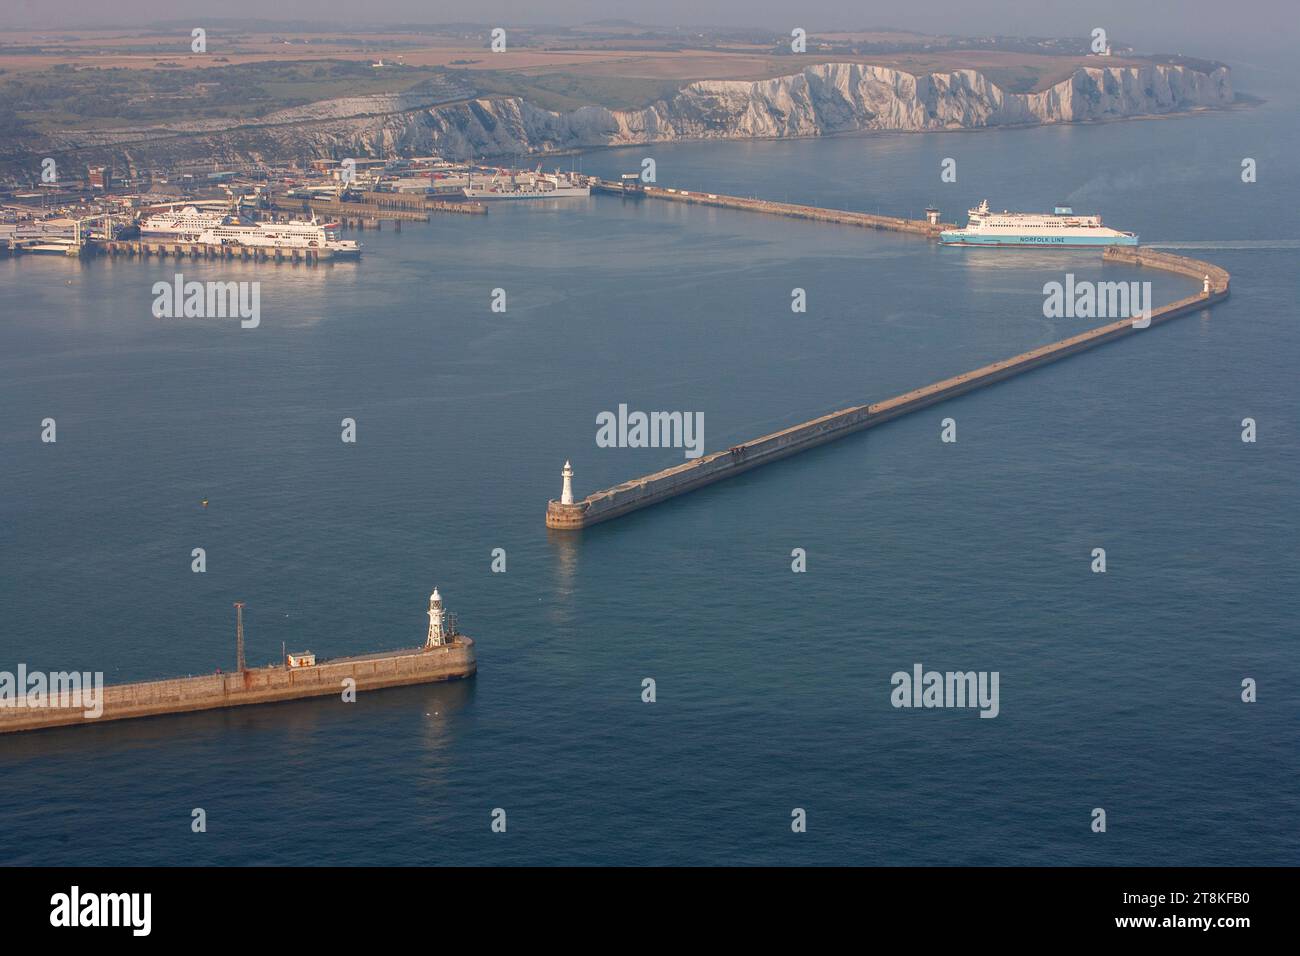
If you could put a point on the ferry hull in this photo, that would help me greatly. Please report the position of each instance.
(1037, 242)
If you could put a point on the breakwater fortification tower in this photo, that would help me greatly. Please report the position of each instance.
(445, 655)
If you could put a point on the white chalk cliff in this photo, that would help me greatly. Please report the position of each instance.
(819, 100)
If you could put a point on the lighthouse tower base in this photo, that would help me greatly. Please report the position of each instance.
(565, 517)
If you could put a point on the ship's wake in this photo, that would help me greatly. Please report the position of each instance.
(1227, 244)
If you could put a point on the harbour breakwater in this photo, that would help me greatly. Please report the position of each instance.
(651, 489)
(919, 227)
(259, 685)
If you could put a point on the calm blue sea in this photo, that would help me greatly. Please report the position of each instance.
(1117, 690)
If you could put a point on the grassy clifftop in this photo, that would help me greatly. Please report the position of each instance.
(105, 80)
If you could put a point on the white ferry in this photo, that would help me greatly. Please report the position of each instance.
(1061, 228)
(534, 185)
(184, 225)
(279, 235)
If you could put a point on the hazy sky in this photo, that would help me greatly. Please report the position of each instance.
(1224, 28)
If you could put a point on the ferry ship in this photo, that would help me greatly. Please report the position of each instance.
(279, 235)
(534, 185)
(1061, 228)
(184, 225)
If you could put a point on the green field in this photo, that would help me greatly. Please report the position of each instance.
(62, 97)
(569, 91)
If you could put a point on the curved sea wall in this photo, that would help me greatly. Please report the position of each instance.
(671, 482)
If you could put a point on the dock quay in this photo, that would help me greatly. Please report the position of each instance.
(163, 248)
(651, 489)
(408, 201)
(355, 211)
(446, 655)
(919, 227)
(379, 206)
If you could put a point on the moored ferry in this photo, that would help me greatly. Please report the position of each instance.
(184, 225)
(191, 224)
(279, 235)
(1060, 228)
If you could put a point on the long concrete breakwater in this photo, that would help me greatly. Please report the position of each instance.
(919, 227)
(258, 685)
(651, 489)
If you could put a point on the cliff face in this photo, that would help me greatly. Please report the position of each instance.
(820, 100)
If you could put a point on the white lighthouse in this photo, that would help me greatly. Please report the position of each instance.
(437, 621)
(566, 494)
(1206, 287)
